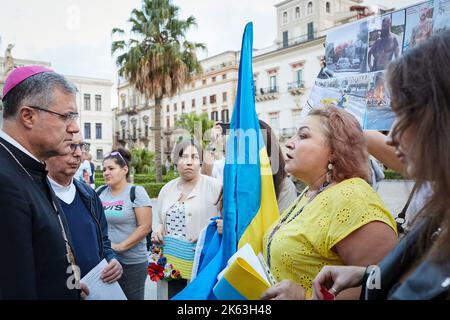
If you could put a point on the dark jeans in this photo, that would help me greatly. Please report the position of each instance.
(175, 286)
(133, 280)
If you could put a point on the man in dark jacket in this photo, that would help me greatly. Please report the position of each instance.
(84, 213)
(39, 120)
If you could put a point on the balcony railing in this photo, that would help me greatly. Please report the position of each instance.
(287, 132)
(263, 91)
(296, 88)
(296, 85)
(298, 40)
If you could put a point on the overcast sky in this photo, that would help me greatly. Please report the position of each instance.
(75, 35)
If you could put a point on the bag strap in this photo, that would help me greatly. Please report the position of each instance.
(101, 189)
(133, 194)
(400, 219)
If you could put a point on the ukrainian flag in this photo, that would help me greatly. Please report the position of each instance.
(249, 201)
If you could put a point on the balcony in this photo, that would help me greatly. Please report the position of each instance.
(132, 110)
(298, 40)
(264, 94)
(287, 132)
(167, 130)
(296, 88)
(121, 138)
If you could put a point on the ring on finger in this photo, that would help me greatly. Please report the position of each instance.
(333, 291)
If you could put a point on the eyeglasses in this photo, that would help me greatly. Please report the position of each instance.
(68, 117)
(116, 153)
(83, 146)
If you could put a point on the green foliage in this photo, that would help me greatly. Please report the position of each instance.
(157, 59)
(189, 121)
(153, 188)
(392, 175)
(142, 161)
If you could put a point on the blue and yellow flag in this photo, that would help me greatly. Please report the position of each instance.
(249, 201)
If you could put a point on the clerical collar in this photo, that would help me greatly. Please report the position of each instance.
(12, 141)
(66, 194)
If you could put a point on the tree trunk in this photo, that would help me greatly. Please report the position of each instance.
(157, 122)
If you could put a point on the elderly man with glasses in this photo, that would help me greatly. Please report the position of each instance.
(39, 121)
(84, 213)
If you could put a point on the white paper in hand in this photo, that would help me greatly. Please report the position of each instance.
(99, 290)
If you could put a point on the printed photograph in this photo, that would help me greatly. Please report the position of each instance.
(379, 115)
(419, 24)
(385, 40)
(441, 19)
(346, 49)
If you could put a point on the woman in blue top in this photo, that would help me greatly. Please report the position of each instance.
(128, 211)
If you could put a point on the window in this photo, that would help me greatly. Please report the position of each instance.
(212, 99)
(224, 96)
(204, 82)
(225, 116)
(99, 154)
(285, 39)
(274, 122)
(87, 130)
(204, 101)
(98, 102)
(123, 133)
(175, 120)
(133, 103)
(299, 77)
(215, 116)
(87, 102)
(285, 17)
(134, 132)
(168, 122)
(193, 103)
(296, 117)
(175, 107)
(327, 7)
(224, 76)
(310, 31)
(213, 79)
(182, 105)
(146, 130)
(98, 131)
(273, 83)
(310, 7)
(167, 108)
(297, 12)
(123, 103)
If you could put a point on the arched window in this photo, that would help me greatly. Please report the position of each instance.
(297, 12)
(310, 7)
(285, 17)
(328, 7)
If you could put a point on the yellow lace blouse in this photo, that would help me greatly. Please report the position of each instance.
(301, 247)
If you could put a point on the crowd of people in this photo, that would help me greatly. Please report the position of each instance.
(334, 238)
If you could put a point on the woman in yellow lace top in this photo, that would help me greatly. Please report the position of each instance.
(339, 219)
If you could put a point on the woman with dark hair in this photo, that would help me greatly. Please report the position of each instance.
(186, 203)
(419, 266)
(128, 211)
(284, 187)
(339, 219)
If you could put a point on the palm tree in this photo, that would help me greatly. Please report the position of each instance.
(157, 59)
(188, 121)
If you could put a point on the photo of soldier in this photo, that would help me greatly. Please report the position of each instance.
(385, 40)
(419, 24)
